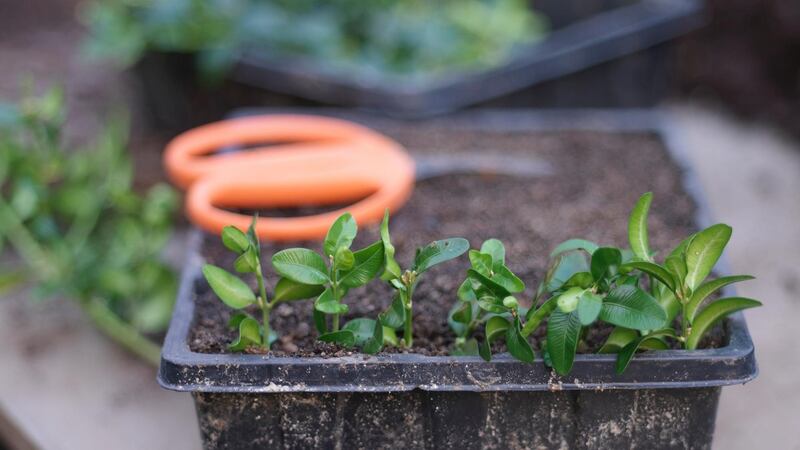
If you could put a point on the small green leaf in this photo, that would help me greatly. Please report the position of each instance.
(340, 234)
(506, 278)
(462, 313)
(637, 227)
(252, 236)
(327, 303)
(581, 279)
(249, 335)
(631, 307)
(467, 348)
(390, 337)
(714, 312)
(708, 288)
(568, 300)
(438, 252)
(395, 316)
(228, 287)
(589, 306)
(301, 265)
(676, 265)
(391, 268)
(485, 351)
(517, 345)
(626, 354)
(574, 244)
(495, 249)
(481, 262)
(345, 338)
(605, 262)
(496, 327)
(465, 292)
(704, 251)
(236, 319)
(492, 305)
(375, 343)
(368, 264)
(319, 321)
(362, 329)
(234, 239)
(563, 332)
(496, 289)
(618, 339)
(287, 290)
(535, 316)
(344, 259)
(652, 269)
(247, 262)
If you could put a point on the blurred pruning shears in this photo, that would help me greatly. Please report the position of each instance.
(295, 160)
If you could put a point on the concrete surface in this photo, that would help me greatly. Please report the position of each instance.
(751, 174)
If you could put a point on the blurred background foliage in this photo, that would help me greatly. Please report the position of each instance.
(412, 38)
(72, 217)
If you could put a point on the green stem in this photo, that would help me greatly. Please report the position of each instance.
(539, 315)
(684, 324)
(408, 330)
(263, 302)
(25, 244)
(121, 332)
(335, 291)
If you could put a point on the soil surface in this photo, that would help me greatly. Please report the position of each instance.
(596, 178)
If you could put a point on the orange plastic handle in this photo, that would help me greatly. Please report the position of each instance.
(309, 160)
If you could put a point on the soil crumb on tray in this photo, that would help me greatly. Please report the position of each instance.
(597, 177)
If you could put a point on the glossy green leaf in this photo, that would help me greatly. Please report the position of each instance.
(247, 262)
(465, 292)
(344, 259)
(481, 262)
(562, 268)
(495, 249)
(345, 338)
(680, 250)
(249, 335)
(438, 252)
(496, 327)
(637, 227)
(395, 316)
(714, 312)
(618, 339)
(563, 333)
(229, 288)
(574, 244)
(234, 239)
(287, 290)
(340, 234)
(391, 268)
(301, 265)
(704, 252)
(506, 278)
(676, 265)
(708, 288)
(589, 306)
(654, 270)
(362, 328)
(319, 321)
(631, 307)
(581, 279)
(326, 303)
(368, 264)
(389, 336)
(626, 353)
(496, 289)
(605, 262)
(236, 319)
(569, 299)
(518, 345)
(492, 305)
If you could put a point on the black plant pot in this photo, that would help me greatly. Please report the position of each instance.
(600, 53)
(665, 399)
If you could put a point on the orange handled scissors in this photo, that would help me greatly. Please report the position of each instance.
(291, 160)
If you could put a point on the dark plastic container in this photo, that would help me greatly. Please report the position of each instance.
(666, 399)
(600, 53)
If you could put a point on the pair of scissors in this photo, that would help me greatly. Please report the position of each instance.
(288, 161)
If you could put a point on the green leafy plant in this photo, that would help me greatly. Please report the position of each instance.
(680, 284)
(235, 293)
(400, 37)
(335, 272)
(586, 284)
(400, 312)
(72, 217)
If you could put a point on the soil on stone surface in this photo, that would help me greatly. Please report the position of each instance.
(595, 181)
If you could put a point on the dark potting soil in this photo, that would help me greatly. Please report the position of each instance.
(596, 179)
